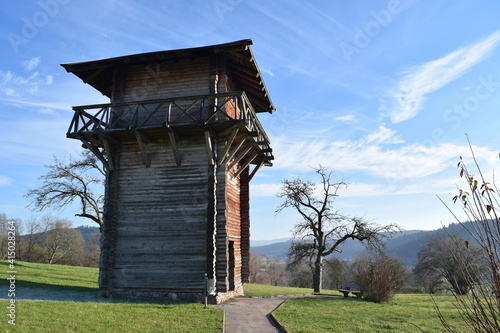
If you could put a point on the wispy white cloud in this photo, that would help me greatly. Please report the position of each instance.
(14, 85)
(373, 156)
(4, 180)
(32, 63)
(267, 71)
(361, 189)
(410, 170)
(383, 135)
(265, 190)
(348, 119)
(416, 82)
(31, 147)
(40, 106)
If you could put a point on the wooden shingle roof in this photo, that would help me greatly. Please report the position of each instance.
(242, 66)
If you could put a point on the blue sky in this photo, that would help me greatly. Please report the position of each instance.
(380, 92)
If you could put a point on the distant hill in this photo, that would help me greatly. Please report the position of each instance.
(267, 242)
(404, 245)
(277, 250)
(88, 232)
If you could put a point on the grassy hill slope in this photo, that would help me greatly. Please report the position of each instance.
(99, 315)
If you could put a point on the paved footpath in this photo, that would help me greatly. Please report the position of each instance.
(251, 315)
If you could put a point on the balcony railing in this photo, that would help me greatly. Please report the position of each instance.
(168, 112)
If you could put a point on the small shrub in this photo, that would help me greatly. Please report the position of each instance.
(412, 290)
(379, 277)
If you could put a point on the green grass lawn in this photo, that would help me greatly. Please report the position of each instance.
(405, 313)
(52, 276)
(48, 316)
(54, 316)
(265, 290)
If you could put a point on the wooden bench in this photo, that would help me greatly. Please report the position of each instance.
(350, 288)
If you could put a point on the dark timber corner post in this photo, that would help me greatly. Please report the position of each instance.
(180, 140)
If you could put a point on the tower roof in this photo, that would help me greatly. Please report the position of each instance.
(242, 65)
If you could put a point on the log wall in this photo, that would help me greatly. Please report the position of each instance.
(158, 241)
(159, 223)
(167, 225)
(165, 79)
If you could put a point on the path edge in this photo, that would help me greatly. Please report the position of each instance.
(223, 321)
(275, 321)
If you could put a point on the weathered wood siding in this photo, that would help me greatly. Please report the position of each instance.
(164, 79)
(169, 79)
(158, 240)
(233, 225)
(222, 242)
(159, 220)
(245, 226)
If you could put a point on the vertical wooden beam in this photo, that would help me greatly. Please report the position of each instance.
(142, 146)
(107, 148)
(208, 141)
(107, 275)
(173, 142)
(212, 224)
(244, 226)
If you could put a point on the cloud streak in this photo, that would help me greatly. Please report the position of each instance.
(17, 86)
(32, 63)
(419, 81)
(350, 119)
(4, 180)
(374, 154)
(360, 189)
(383, 135)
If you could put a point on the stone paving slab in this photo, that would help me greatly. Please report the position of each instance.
(251, 315)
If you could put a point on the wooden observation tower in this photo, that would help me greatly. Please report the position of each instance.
(180, 140)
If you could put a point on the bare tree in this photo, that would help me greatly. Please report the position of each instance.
(301, 272)
(452, 259)
(92, 250)
(65, 183)
(61, 243)
(431, 281)
(256, 263)
(334, 277)
(322, 229)
(276, 274)
(10, 231)
(31, 242)
(4, 233)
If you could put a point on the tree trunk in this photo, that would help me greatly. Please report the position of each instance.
(318, 273)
